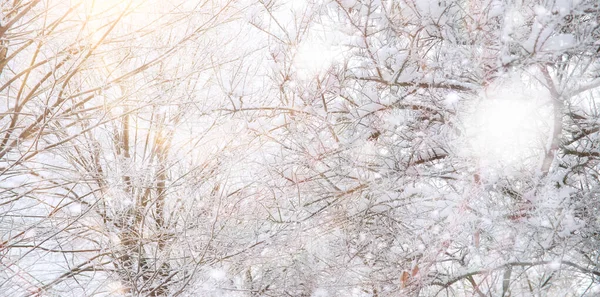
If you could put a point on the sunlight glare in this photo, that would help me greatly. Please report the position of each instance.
(116, 287)
(510, 127)
(313, 58)
(318, 51)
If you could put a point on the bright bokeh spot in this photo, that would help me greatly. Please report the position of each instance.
(505, 129)
(313, 58)
(318, 51)
(510, 126)
(116, 288)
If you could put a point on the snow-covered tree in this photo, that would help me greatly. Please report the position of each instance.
(114, 165)
(428, 147)
(300, 148)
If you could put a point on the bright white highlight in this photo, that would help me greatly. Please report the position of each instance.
(510, 126)
(116, 288)
(318, 51)
(505, 129)
(313, 58)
